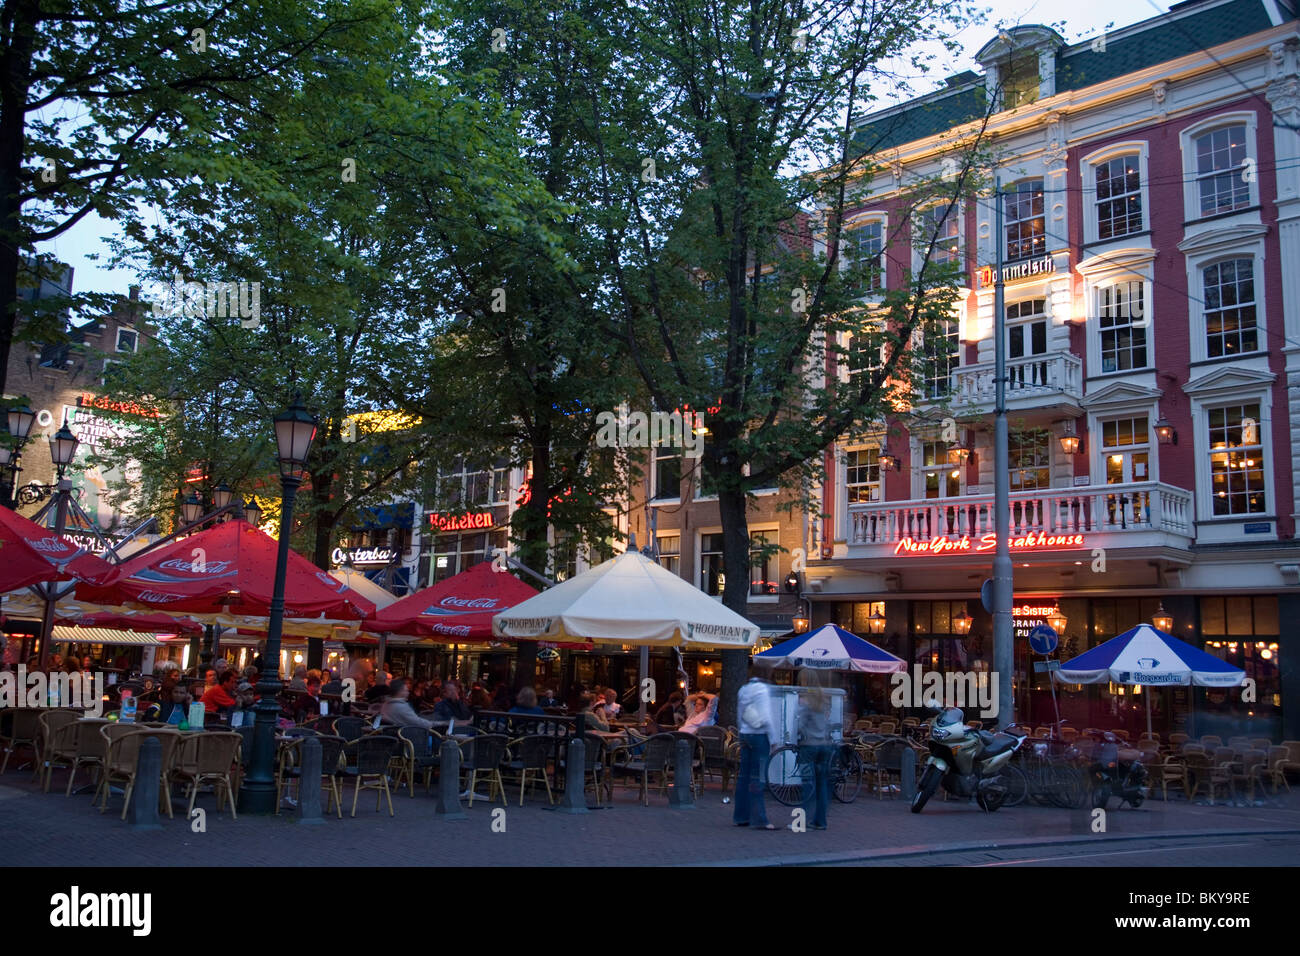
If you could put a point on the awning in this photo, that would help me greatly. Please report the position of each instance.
(101, 635)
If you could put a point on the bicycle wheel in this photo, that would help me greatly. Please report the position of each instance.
(1017, 786)
(846, 774)
(789, 781)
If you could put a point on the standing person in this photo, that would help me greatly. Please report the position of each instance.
(757, 732)
(815, 749)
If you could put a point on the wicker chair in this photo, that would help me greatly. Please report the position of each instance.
(530, 763)
(1211, 741)
(57, 740)
(714, 740)
(373, 754)
(484, 755)
(209, 758)
(418, 755)
(1253, 767)
(18, 728)
(1277, 758)
(120, 761)
(656, 757)
(1177, 740)
(92, 748)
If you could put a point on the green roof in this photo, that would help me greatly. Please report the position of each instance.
(1077, 67)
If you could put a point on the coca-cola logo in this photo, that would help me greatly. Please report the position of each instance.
(468, 602)
(157, 597)
(50, 545)
(194, 567)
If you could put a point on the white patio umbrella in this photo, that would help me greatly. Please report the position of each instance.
(629, 599)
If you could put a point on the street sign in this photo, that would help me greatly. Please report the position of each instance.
(1042, 667)
(1043, 639)
(986, 595)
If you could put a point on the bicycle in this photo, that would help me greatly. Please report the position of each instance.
(790, 780)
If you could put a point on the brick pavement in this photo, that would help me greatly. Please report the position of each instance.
(52, 830)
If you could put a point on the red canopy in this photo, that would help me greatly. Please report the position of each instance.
(461, 606)
(30, 554)
(232, 564)
(150, 622)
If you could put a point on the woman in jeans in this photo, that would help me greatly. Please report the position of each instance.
(815, 753)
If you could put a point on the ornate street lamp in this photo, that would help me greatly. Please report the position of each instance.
(962, 622)
(1165, 432)
(253, 511)
(876, 623)
(887, 461)
(1162, 620)
(295, 430)
(21, 419)
(192, 508)
(1057, 621)
(221, 495)
(63, 446)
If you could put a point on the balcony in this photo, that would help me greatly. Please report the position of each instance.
(1139, 514)
(1039, 382)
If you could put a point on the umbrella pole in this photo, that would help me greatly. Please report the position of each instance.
(642, 677)
(1147, 695)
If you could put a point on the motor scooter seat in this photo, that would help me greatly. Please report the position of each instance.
(997, 745)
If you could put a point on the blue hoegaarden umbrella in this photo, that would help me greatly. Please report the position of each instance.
(833, 648)
(1143, 655)
(1152, 658)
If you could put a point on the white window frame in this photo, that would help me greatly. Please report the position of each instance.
(655, 497)
(659, 537)
(920, 470)
(117, 340)
(1100, 449)
(1201, 407)
(1142, 321)
(1191, 183)
(1132, 264)
(1002, 238)
(918, 254)
(770, 528)
(880, 473)
(1235, 248)
(857, 221)
(1091, 225)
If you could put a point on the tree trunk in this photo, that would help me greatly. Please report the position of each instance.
(534, 550)
(735, 595)
(15, 79)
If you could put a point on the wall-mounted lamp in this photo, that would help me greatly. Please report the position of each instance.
(792, 582)
(887, 461)
(1162, 620)
(1069, 437)
(962, 622)
(1165, 433)
(958, 453)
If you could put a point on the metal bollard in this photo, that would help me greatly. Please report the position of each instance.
(575, 774)
(907, 774)
(448, 806)
(681, 795)
(309, 812)
(144, 798)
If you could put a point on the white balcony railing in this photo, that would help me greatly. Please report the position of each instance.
(1142, 506)
(1032, 377)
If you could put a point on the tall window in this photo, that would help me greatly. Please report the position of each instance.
(862, 475)
(866, 251)
(1237, 460)
(465, 486)
(944, 229)
(1030, 459)
(1026, 328)
(1221, 170)
(942, 480)
(1229, 295)
(1122, 311)
(939, 359)
(667, 473)
(866, 357)
(1126, 445)
(670, 552)
(564, 557)
(1119, 197)
(763, 571)
(454, 553)
(1026, 227)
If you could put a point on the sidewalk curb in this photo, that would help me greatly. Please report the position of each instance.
(906, 852)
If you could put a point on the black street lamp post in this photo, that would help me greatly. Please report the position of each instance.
(63, 446)
(295, 430)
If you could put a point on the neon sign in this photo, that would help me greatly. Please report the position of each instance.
(1021, 270)
(87, 400)
(966, 545)
(470, 522)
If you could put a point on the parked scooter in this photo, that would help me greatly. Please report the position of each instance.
(1115, 770)
(967, 762)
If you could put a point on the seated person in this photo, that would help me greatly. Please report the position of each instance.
(299, 682)
(550, 699)
(220, 698)
(397, 708)
(704, 713)
(612, 707)
(526, 703)
(672, 713)
(451, 707)
(593, 713)
(172, 696)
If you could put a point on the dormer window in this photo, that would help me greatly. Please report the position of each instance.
(1022, 83)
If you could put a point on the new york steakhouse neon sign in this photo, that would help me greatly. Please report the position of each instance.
(1037, 541)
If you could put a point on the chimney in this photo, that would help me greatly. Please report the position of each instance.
(133, 293)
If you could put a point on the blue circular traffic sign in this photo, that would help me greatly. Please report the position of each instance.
(1043, 639)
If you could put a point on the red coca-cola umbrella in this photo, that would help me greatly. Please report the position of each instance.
(229, 565)
(30, 554)
(148, 622)
(459, 608)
